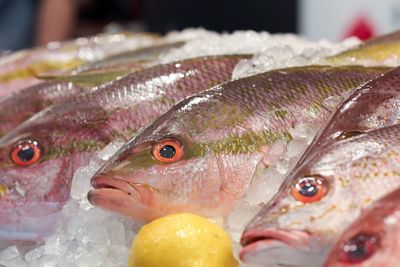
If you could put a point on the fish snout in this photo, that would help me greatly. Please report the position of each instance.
(128, 199)
(101, 182)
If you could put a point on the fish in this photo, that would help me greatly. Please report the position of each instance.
(87, 79)
(19, 70)
(39, 157)
(303, 220)
(373, 239)
(201, 155)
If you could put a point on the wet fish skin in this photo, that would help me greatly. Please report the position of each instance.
(371, 106)
(374, 51)
(225, 133)
(379, 226)
(356, 172)
(83, 80)
(69, 134)
(20, 106)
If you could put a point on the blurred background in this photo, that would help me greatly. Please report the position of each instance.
(26, 23)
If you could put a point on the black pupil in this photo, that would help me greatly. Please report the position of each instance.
(308, 188)
(168, 152)
(359, 247)
(26, 153)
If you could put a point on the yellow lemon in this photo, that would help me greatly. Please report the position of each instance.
(182, 240)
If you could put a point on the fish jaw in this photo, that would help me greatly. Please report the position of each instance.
(275, 247)
(128, 199)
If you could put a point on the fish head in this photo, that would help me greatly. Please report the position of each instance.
(173, 165)
(372, 239)
(37, 163)
(324, 195)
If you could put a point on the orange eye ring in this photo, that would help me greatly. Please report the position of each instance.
(25, 153)
(168, 150)
(310, 189)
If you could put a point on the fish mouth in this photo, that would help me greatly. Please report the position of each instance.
(104, 182)
(275, 247)
(129, 199)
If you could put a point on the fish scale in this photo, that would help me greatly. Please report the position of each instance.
(224, 132)
(85, 79)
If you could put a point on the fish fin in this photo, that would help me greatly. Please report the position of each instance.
(86, 78)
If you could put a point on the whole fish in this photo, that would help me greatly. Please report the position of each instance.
(373, 105)
(299, 225)
(19, 69)
(373, 239)
(200, 156)
(39, 157)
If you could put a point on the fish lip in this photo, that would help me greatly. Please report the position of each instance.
(105, 182)
(132, 200)
(137, 191)
(291, 238)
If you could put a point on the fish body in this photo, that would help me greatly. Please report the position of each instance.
(373, 239)
(39, 157)
(322, 198)
(214, 142)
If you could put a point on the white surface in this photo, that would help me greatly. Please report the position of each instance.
(332, 19)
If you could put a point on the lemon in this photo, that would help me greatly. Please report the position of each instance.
(182, 240)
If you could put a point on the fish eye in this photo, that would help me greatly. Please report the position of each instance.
(168, 150)
(25, 153)
(358, 248)
(349, 134)
(309, 189)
